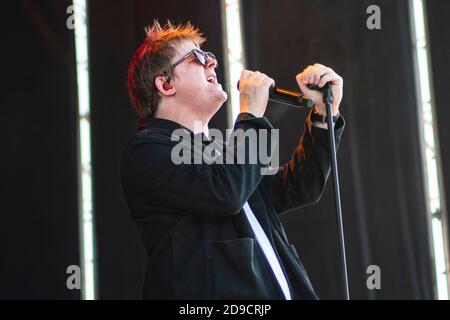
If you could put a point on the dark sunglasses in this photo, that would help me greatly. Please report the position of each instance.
(202, 57)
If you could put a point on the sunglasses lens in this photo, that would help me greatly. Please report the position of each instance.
(200, 56)
(204, 57)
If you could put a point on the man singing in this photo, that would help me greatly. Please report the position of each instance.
(212, 230)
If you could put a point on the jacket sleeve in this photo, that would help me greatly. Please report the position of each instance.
(301, 181)
(151, 180)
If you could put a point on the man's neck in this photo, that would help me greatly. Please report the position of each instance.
(188, 120)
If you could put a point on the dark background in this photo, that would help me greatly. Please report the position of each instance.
(39, 203)
(379, 158)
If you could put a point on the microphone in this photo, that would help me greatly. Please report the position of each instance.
(288, 97)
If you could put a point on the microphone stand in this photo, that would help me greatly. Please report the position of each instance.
(328, 100)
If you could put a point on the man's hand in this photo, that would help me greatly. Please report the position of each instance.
(254, 92)
(319, 75)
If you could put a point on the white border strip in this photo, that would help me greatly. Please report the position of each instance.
(234, 53)
(430, 147)
(85, 172)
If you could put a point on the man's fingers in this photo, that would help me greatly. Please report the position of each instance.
(302, 85)
(261, 78)
(316, 77)
(308, 74)
(300, 78)
(268, 82)
(319, 65)
(245, 74)
(325, 78)
(319, 77)
(304, 88)
(257, 76)
(253, 76)
(313, 74)
(330, 77)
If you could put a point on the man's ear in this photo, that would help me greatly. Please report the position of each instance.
(164, 87)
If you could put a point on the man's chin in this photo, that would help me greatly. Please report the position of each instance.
(221, 96)
(215, 100)
(220, 100)
(224, 96)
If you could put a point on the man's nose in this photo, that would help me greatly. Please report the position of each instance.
(212, 63)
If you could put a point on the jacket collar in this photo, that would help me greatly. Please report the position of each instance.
(159, 123)
(167, 126)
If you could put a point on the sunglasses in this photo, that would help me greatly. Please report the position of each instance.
(201, 56)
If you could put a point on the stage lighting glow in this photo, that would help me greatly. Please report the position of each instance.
(430, 147)
(85, 172)
(234, 53)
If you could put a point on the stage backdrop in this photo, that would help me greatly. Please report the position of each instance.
(379, 159)
(380, 170)
(39, 200)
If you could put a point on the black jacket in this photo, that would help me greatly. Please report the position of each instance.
(190, 217)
